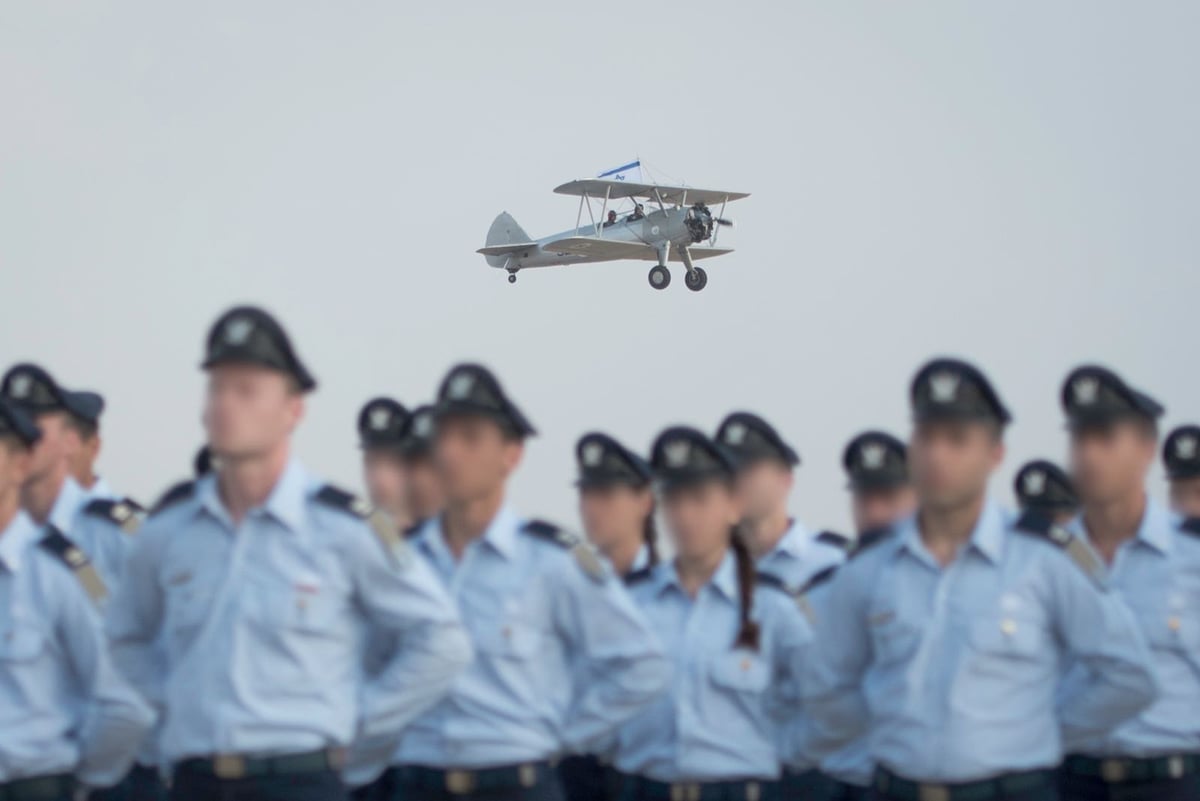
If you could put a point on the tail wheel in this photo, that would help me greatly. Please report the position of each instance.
(660, 277)
(512, 278)
(696, 280)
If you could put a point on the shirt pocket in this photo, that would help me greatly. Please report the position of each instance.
(740, 671)
(507, 638)
(20, 643)
(1012, 637)
(892, 639)
(189, 600)
(304, 607)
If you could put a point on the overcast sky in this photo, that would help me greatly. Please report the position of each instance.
(1014, 183)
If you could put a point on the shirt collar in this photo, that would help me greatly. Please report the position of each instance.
(16, 539)
(101, 489)
(500, 534)
(1154, 530)
(286, 503)
(724, 580)
(987, 537)
(70, 498)
(642, 560)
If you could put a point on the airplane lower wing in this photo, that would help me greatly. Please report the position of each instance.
(597, 249)
(504, 250)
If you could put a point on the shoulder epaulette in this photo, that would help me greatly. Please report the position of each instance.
(71, 555)
(836, 540)
(771, 580)
(176, 494)
(124, 514)
(1075, 548)
(414, 529)
(869, 539)
(817, 579)
(583, 553)
(1034, 522)
(638, 576)
(381, 523)
(1191, 526)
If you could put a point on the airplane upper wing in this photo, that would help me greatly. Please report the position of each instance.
(596, 188)
(608, 249)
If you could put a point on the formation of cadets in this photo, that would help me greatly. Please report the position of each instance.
(260, 634)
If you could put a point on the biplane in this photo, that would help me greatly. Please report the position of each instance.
(679, 227)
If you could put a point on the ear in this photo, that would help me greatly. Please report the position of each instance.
(514, 451)
(646, 501)
(999, 449)
(296, 408)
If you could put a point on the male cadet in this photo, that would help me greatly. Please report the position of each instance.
(881, 495)
(876, 464)
(562, 656)
(1155, 568)
(87, 449)
(781, 545)
(101, 527)
(258, 578)
(945, 638)
(381, 425)
(66, 715)
(1181, 457)
(1044, 492)
(423, 488)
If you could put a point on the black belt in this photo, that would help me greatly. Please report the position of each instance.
(751, 790)
(1121, 769)
(41, 788)
(236, 766)
(890, 784)
(803, 784)
(466, 782)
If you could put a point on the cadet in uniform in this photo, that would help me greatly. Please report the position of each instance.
(781, 545)
(1181, 457)
(101, 527)
(881, 495)
(257, 580)
(945, 637)
(66, 715)
(737, 642)
(1155, 568)
(86, 449)
(1045, 491)
(616, 504)
(876, 464)
(562, 656)
(422, 487)
(381, 426)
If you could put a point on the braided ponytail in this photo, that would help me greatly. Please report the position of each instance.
(748, 632)
(650, 536)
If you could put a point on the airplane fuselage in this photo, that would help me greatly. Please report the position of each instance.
(656, 229)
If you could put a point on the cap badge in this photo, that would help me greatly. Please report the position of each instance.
(20, 386)
(873, 455)
(423, 425)
(944, 386)
(1186, 447)
(677, 452)
(461, 386)
(380, 418)
(593, 453)
(1034, 482)
(238, 330)
(1085, 389)
(735, 434)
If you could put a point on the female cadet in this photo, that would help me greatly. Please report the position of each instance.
(616, 504)
(737, 644)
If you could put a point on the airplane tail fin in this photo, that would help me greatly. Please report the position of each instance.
(504, 237)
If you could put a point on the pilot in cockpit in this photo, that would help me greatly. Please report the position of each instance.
(638, 213)
(612, 219)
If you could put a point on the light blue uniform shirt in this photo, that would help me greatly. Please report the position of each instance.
(956, 669)
(798, 556)
(561, 658)
(1157, 573)
(262, 622)
(720, 719)
(63, 706)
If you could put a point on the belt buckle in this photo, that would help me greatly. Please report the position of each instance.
(685, 791)
(229, 766)
(753, 791)
(336, 757)
(1114, 770)
(1175, 767)
(460, 782)
(527, 775)
(933, 792)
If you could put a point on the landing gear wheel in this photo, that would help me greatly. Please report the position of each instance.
(512, 278)
(660, 277)
(697, 280)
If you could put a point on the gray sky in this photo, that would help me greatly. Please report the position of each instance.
(1010, 182)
